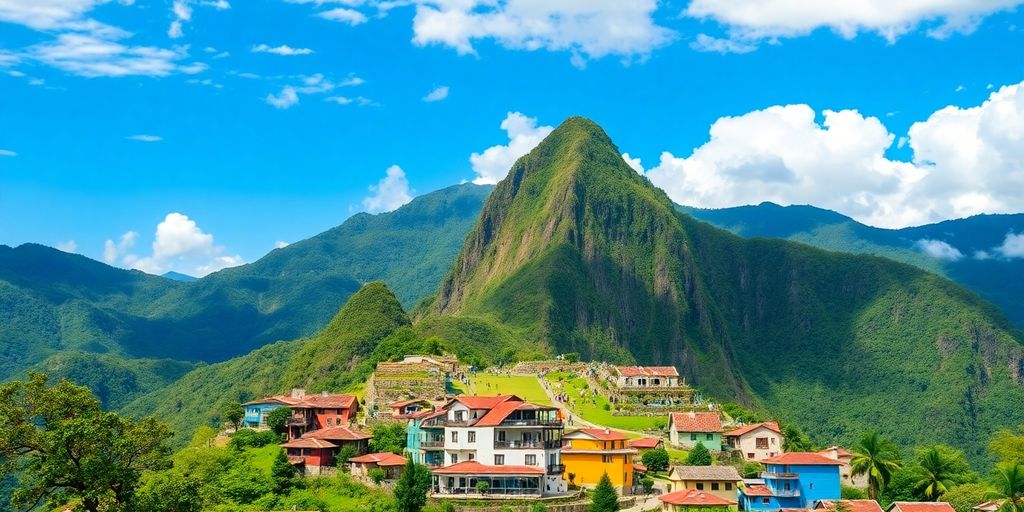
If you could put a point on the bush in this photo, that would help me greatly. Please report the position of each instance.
(647, 483)
(539, 507)
(377, 475)
(347, 452)
(964, 497)
(606, 406)
(849, 492)
(655, 460)
(482, 487)
(277, 420)
(252, 439)
(699, 456)
(388, 437)
(752, 470)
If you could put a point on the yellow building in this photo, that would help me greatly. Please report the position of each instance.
(589, 453)
(719, 481)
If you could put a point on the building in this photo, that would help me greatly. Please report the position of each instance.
(319, 449)
(755, 441)
(309, 411)
(688, 500)
(512, 445)
(844, 456)
(424, 438)
(645, 376)
(408, 408)
(646, 444)
(390, 463)
(795, 480)
(686, 429)
(721, 481)
(849, 506)
(923, 506)
(589, 453)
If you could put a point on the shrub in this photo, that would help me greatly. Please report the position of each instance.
(482, 487)
(277, 420)
(252, 439)
(849, 492)
(699, 456)
(655, 460)
(377, 475)
(648, 484)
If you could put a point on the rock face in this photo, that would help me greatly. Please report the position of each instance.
(576, 251)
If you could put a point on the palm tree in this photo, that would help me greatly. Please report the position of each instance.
(1009, 487)
(934, 473)
(877, 458)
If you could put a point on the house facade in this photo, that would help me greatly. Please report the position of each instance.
(316, 451)
(690, 500)
(589, 453)
(309, 412)
(720, 481)
(390, 463)
(512, 445)
(686, 429)
(755, 441)
(796, 480)
(645, 376)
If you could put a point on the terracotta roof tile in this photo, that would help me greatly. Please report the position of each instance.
(600, 434)
(337, 434)
(770, 425)
(484, 402)
(308, 442)
(380, 459)
(694, 497)
(500, 412)
(802, 459)
(851, 505)
(647, 371)
(721, 473)
(696, 421)
(757, 490)
(472, 467)
(924, 506)
(646, 442)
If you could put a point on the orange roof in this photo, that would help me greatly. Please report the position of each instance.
(647, 371)
(308, 442)
(852, 505)
(639, 468)
(602, 434)
(770, 425)
(310, 401)
(923, 506)
(840, 451)
(757, 490)
(404, 403)
(380, 459)
(696, 421)
(646, 442)
(694, 497)
(472, 467)
(337, 434)
(500, 412)
(802, 459)
(484, 402)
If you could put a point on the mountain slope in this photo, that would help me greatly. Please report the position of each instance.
(576, 251)
(996, 278)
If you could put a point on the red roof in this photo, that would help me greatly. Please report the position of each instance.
(337, 434)
(802, 459)
(646, 442)
(404, 403)
(500, 412)
(601, 434)
(380, 459)
(311, 401)
(472, 467)
(696, 421)
(694, 497)
(485, 402)
(308, 442)
(923, 506)
(647, 371)
(639, 468)
(852, 505)
(770, 425)
(757, 490)
(840, 452)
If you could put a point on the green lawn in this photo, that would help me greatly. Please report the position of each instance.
(593, 410)
(524, 386)
(263, 457)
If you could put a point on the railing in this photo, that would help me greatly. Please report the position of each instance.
(779, 475)
(515, 444)
(531, 423)
(792, 493)
(556, 469)
(293, 421)
(432, 443)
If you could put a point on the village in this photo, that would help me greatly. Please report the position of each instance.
(549, 431)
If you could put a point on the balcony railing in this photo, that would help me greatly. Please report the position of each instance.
(792, 493)
(531, 423)
(295, 421)
(432, 443)
(556, 469)
(779, 475)
(520, 444)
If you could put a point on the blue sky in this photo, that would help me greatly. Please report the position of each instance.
(238, 125)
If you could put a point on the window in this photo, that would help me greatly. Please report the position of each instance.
(531, 460)
(499, 460)
(761, 443)
(455, 436)
(766, 501)
(455, 458)
(786, 487)
(693, 436)
(471, 435)
(710, 437)
(460, 415)
(472, 455)
(607, 459)
(750, 455)
(330, 422)
(810, 486)
(728, 486)
(501, 436)
(700, 486)
(714, 486)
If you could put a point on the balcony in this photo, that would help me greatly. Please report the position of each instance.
(779, 475)
(556, 469)
(531, 423)
(432, 443)
(296, 421)
(520, 444)
(792, 493)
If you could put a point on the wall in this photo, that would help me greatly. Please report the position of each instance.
(747, 444)
(683, 440)
(731, 494)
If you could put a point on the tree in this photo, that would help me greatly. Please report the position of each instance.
(411, 488)
(655, 460)
(65, 448)
(752, 469)
(938, 471)
(699, 456)
(1008, 446)
(604, 498)
(849, 492)
(377, 475)
(169, 491)
(877, 458)
(482, 487)
(233, 413)
(1009, 486)
(388, 437)
(277, 420)
(344, 454)
(794, 439)
(964, 497)
(647, 483)
(282, 472)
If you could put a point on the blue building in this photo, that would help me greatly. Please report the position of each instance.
(425, 437)
(257, 410)
(792, 481)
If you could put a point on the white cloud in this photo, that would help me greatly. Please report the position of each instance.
(145, 138)
(437, 94)
(634, 163)
(966, 161)
(179, 245)
(494, 163)
(280, 244)
(960, 88)
(342, 15)
(586, 28)
(182, 13)
(7, 152)
(391, 192)
(1013, 246)
(68, 246)
(752, 21)
(938, 249)
(90, 56)
(284, 50)
(45, 14)
(706, 43)
(287, 98)
(217, 4)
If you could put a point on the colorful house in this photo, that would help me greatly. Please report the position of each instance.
(756, 441)
(692, 500)
(791, 481)
(408, 408)
(390, 463)
(319, 449)
(589, 453)
(721, 481)
(686, 429)
(309, 411)
(845, 471)
(463, 478)
(645, 376)
(646, 444)
(424, 438)
(923, 506)
(849, 505)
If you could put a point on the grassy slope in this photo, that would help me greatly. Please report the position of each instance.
(524, 386)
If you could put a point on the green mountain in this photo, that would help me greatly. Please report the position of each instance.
(52, 302)
(974, 264)
(577, 252)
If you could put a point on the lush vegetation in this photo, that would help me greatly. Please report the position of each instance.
(595, 407)
(524, 386)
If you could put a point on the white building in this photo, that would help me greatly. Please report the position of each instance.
(756, 441)
(511, 445)
(645, 376)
